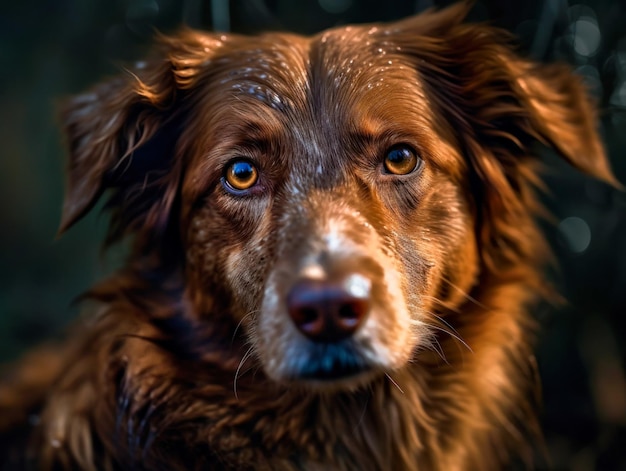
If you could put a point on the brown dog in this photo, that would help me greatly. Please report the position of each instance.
(333, 254)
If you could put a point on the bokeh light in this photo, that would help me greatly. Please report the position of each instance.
(335, 6)
(576, 233)
(584, 31)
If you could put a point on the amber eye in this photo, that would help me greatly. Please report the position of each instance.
(401, 160)
(241, 175)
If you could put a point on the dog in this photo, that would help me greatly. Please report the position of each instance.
(333, 255)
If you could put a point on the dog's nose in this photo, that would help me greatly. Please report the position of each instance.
(329, 311)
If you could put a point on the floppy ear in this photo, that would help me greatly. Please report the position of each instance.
(122, 136)
(561, 114)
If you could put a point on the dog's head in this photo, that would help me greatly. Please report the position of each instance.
(332, 195)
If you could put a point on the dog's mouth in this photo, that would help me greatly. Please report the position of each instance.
(327, 363)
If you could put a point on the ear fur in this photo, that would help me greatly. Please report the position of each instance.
(563, 115)
(122, 136)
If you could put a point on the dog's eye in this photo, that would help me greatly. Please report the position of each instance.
(401, 160)
(241, 175)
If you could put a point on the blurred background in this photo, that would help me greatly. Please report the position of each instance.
(52, 48)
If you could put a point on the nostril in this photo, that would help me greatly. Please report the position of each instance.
(308, 320)
(308, 315)
(347, 312)
(350, 313)
(327, 311)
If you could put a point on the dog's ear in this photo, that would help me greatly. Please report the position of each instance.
(561, 113)
(122, 136)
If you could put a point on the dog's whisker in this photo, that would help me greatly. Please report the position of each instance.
(446, 325)
(394, 383)
(362, 415)
(243, 360)
(451, 334)
(445, 322)
(239, 324)
(463, 293)
(446, 328)
(435, 346)
(441, 303)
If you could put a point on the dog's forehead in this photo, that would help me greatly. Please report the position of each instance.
(270, 69)
(343, 78)
(359, 76)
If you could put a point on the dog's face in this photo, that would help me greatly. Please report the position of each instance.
(326, 202)
(332, 196)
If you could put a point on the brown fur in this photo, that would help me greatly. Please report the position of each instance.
(188, 359)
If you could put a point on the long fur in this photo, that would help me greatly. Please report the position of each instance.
(173, 369)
